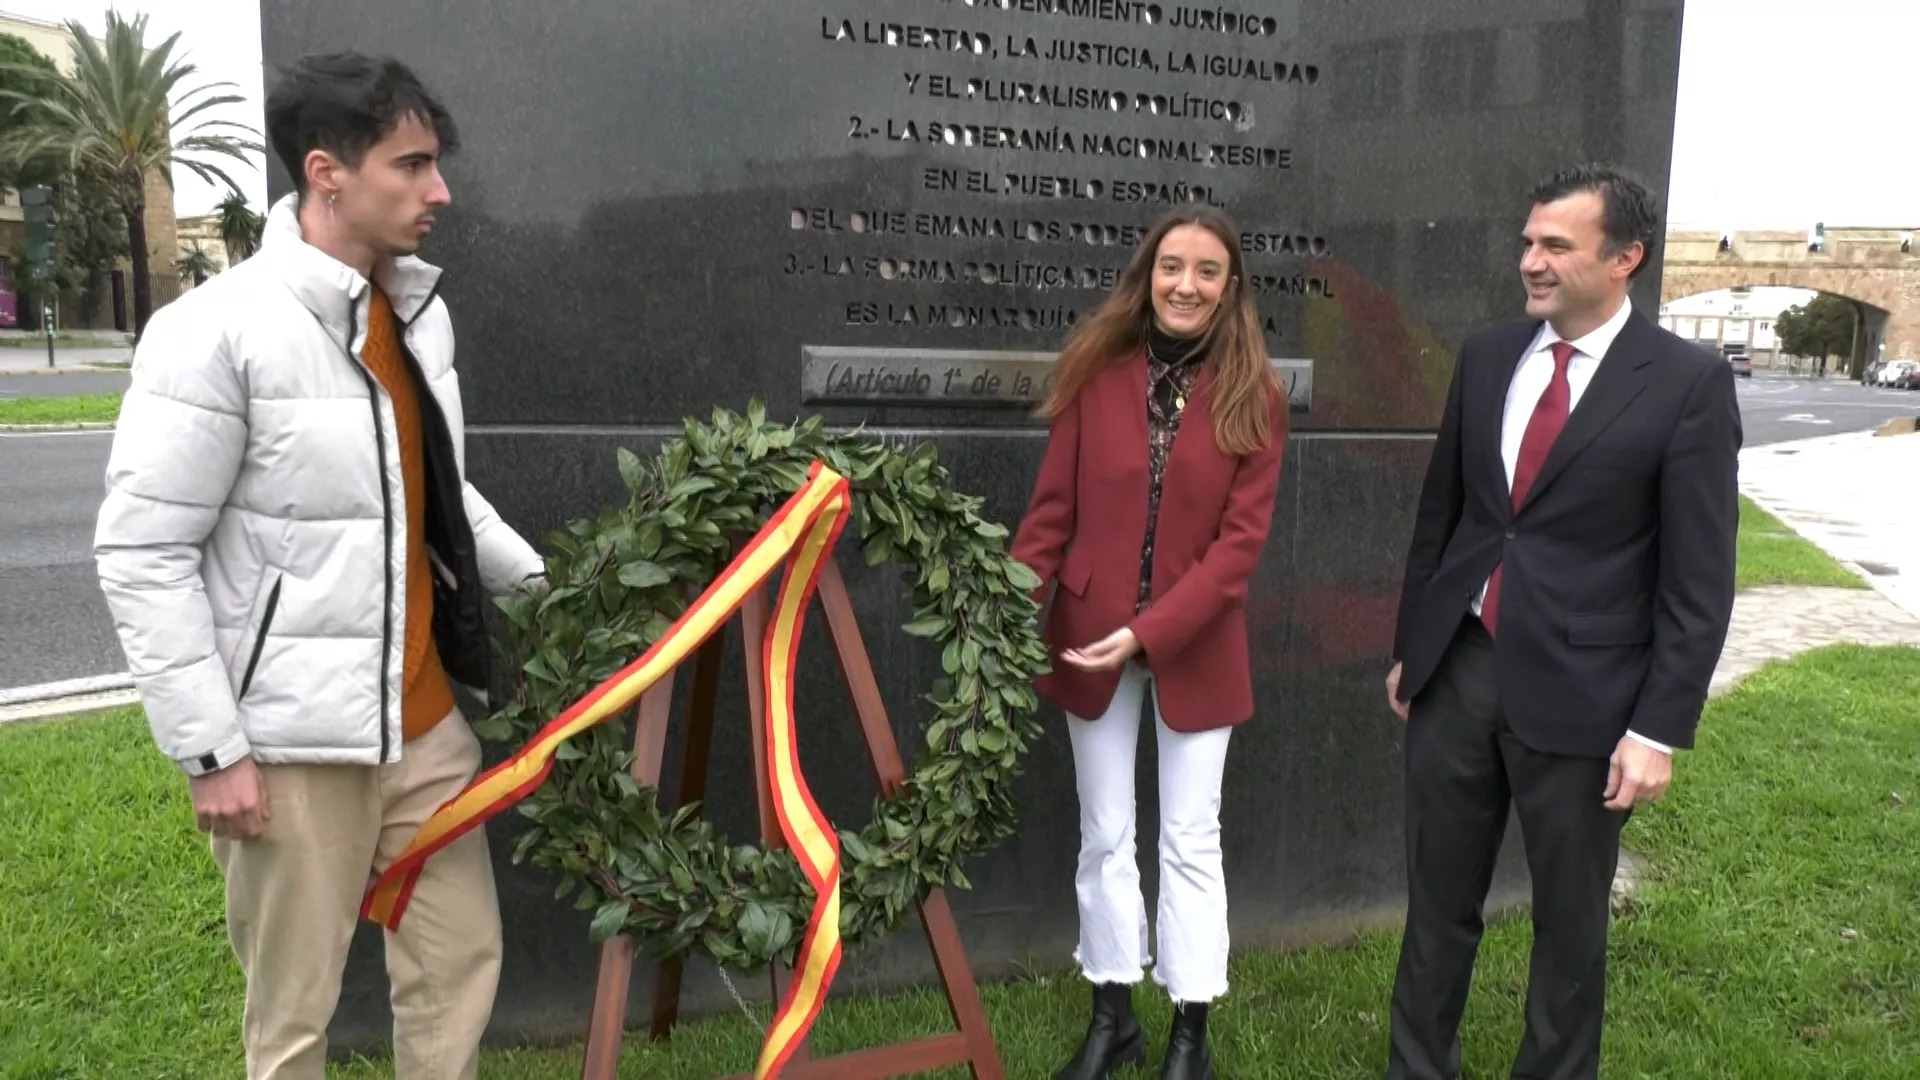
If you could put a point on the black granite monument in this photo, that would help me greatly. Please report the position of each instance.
(890, 212)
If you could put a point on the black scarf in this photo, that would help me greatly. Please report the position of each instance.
(1175, 353)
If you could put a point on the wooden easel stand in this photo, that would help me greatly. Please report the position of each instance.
(972, 1044)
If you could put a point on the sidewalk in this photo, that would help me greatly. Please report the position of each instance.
(1779, 621)
(101, 338)
(1853, 495)
(67, 359)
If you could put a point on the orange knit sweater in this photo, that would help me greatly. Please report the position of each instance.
(427, 697)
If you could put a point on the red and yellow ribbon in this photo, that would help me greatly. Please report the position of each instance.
(805, 528)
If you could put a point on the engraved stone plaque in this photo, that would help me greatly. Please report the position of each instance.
(842, 375)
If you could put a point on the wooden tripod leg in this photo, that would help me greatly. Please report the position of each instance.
(963, 994)
(608, 1022)
(693, 789)
(856, 671)
(883, 754)
(754, 614)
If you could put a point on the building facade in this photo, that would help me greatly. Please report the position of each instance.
(113, 301)
(1741, 316)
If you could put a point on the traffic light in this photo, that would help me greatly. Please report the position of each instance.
(37, 202)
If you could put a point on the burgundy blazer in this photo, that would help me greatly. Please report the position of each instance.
(1086, 526)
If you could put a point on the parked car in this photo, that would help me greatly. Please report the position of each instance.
(1897, 374)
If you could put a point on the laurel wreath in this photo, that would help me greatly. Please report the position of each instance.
(618, 581)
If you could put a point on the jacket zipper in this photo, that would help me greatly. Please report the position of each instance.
(464, 613)
(386, 513)
(260, 637)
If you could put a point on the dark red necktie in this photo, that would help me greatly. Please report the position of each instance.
(1549, 416)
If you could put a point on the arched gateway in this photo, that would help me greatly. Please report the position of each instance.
(1875, 268)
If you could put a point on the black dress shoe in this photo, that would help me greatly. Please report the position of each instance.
(1113, 1037)
(1188, 1055)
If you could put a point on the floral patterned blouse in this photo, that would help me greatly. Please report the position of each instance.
(1173, 368)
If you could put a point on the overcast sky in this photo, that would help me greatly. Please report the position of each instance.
(1782, 121)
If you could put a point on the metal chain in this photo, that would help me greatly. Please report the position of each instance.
(745, 1010)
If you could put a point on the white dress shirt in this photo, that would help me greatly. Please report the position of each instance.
(1530, 381)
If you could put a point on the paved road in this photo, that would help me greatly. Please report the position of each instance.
(1777, 409)
(53, 623)
(63, 384)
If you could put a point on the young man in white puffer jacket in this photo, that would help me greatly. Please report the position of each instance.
(298, 571)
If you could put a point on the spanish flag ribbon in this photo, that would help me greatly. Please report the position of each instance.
(805, 529)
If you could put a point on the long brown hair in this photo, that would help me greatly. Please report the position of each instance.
(1243, 379)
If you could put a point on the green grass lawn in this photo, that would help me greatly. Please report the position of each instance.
(1770, 553)
(1776, 937)
(88, 408)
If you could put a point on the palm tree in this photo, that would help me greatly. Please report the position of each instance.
(240, 227)
(115, 113)
(196, 265)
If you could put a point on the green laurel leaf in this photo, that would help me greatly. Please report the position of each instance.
(926, 626)
(643, 575)
(667, 875)
(608, 920)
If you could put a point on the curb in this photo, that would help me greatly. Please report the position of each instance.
(53, 691)
(67, 707)
(1871, 579)
(87, 425)
(69, 698)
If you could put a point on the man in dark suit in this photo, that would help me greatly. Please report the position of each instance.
(1567, 594)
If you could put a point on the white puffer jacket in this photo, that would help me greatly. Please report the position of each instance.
(252, 545)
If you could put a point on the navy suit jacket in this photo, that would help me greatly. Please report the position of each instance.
(1619, 576)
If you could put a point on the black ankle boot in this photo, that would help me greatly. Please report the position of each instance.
(1188, 1056)
(1113, 1036)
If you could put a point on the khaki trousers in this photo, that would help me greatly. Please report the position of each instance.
(293, 900)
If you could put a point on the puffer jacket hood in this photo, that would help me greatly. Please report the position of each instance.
(252, 543)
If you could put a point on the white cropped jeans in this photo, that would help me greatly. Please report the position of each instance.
(1191, 928)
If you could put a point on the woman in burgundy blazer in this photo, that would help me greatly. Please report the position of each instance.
(1150, 514)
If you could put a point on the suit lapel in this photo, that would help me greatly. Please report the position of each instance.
(1491, 465)
(1621, 377)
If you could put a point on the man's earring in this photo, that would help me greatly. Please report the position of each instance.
(331, 199)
